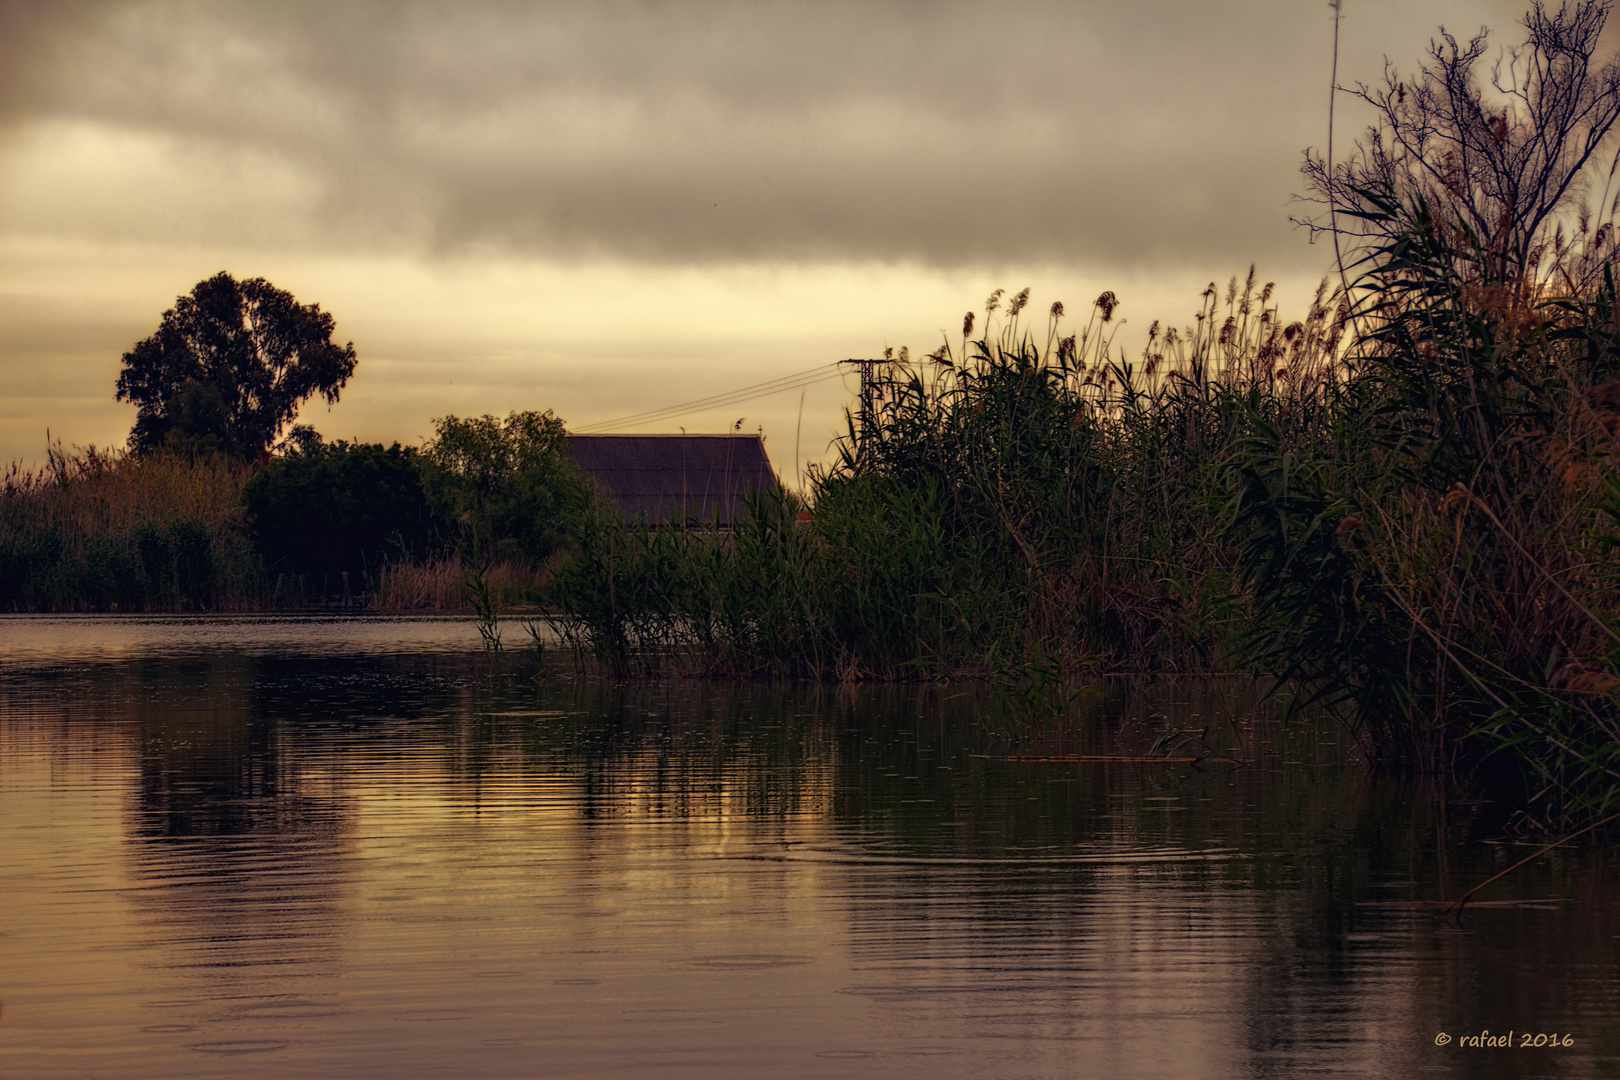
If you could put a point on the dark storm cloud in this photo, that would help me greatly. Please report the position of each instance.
(947, 133)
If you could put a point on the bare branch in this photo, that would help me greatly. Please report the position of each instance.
(1500, 162)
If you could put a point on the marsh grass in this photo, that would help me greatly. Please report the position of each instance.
(99, 530)
(1444, 559)
(429, 585)
(102, 530)
(440, 584)
(1019, 503)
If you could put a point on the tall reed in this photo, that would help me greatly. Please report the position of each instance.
(1445, 561)
(1022, 500)
(1420, 526)
(99, 530)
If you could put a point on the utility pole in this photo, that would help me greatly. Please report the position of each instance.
(868, 383)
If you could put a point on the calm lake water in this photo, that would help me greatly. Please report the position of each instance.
(360, 847)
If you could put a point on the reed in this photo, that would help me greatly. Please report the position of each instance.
(1029, 499)
(1417, 521)
(99, 530)
(440, 584)
(1444, 561)
(1418, 526)
(429, 585)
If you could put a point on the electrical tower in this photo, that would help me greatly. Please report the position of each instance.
(868, 384)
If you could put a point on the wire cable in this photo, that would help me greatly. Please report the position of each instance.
(769, 386)
(703, 405)
(715, 401)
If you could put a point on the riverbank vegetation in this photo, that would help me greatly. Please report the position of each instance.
(1419, 526)
(317, 524)
(1022, 500)
(100, 531)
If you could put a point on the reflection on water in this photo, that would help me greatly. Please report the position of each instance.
(51, 640)
(409, 860)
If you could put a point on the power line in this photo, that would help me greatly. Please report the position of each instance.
(730, 397)
(734, 398)
(770, 386)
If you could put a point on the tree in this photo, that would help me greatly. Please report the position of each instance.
(228, 368)
(506, 488)
(1493, 161)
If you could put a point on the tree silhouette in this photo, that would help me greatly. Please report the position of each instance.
(229, 366)
(1496, 156)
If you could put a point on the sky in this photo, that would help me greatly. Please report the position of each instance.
(602, 209)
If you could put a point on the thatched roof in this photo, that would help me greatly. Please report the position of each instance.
(657, 477)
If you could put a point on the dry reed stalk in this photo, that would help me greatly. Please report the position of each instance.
(108, 492)
(441, 585)
(434, 585)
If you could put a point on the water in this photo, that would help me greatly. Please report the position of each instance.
(360, 847)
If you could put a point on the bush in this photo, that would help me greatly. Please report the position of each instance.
(339, 507)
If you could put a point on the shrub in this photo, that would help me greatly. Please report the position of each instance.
(339, 507)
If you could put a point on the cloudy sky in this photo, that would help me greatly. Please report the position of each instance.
(606, 208)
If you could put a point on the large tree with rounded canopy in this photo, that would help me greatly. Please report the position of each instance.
(228, 368)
